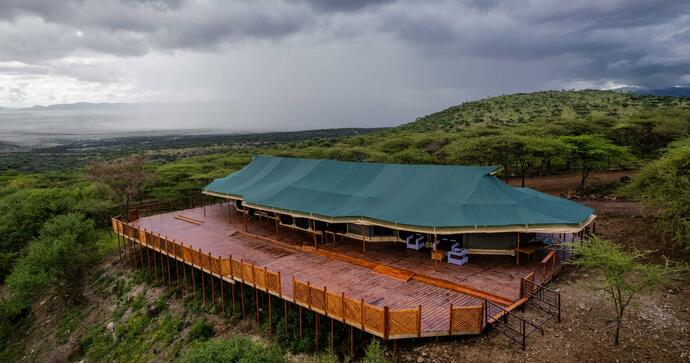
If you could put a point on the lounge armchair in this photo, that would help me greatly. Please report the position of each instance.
(457, 255)
(415, 242)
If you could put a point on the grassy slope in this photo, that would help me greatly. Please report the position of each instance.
(542, 106)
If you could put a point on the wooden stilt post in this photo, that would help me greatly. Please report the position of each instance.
(232, 292)
(300, 321)
(213, 282)
(119, 249)
(285, 315)
(277, 228)
(148, 260)
(332, 335)
(167, 254)
(270, 315)
(352, 342)
(155, 264)
(160, 257)
(177, 263)
(317, 331)
(222, 293)
(193, 279)
(203, 282)
(256, 304)
(246, 228)
(127, 254)
(242, 299)
(184, 268)
(141, 253)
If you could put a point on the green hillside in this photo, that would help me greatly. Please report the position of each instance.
(543, 106)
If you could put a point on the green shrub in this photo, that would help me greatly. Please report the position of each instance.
(375, 353)
(201, 330)
(235, 349)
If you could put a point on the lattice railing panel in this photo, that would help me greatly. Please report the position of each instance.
(334, 305)
(318, 298)
(467, 319)
(225, 267)
(273, 282)
(260, 278)
(373, 318)
(353, 311)
(301, 292)
(247, 272)
(236, 268)
(403, 322)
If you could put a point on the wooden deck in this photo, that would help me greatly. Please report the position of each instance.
(387, 276)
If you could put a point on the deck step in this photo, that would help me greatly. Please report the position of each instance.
(188, 219)
(403, 275)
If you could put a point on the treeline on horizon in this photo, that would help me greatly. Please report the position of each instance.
(539, 133)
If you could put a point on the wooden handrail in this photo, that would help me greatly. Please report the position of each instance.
(548, 256)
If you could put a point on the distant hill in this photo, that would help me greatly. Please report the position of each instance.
(666, 91)
(521, 108)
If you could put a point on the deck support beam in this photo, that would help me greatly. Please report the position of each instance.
(285, 314)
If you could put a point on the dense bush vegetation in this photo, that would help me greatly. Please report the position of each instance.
(664, 187)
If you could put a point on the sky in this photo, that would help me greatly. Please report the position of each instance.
(306, 64)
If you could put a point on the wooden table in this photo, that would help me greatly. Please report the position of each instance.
(530, 248)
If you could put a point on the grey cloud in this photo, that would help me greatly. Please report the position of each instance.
(509, 45)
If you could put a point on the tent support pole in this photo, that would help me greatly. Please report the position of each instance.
(313, 232)
(517, 251)
(364, 243)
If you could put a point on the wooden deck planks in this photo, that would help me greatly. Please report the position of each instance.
(354, 275)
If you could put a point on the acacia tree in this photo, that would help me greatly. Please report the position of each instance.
(624, 274)
(533, 151)
(126, 177)
(590, 152)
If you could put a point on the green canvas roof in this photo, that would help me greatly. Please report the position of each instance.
(427, 198)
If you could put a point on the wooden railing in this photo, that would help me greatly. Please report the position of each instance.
(380, 320)
(548, 266)
(377, 320)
